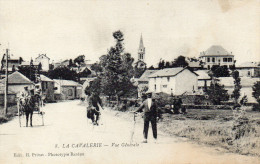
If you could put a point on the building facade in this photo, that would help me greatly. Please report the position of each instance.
(44, 60)
(216, 55)
(174, 81)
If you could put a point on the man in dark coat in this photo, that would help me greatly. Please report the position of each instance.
(150, 109)
(93, 111)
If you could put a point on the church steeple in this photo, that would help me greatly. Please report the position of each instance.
(141, 50)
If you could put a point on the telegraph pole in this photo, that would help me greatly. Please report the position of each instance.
(6, 83)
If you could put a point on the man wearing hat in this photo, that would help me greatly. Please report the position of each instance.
(150, 110)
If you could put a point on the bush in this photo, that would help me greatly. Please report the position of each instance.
(256, 107)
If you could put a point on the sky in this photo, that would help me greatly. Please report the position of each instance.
(66, 29)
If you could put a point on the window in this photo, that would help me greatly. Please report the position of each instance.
(229, 59)
(248, 73)
(155, 87)
(224, 59)
(208, 59)
(168, 78)
(70, 93)
(164, 86)
(213, 60)
(208, 66)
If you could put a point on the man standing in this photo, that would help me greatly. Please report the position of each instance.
(150, 110)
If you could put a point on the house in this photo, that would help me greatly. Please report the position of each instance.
(44, 60)
(29, 63)
(66, 89)
(13, 63)
(47, 87)
(143, 82)
(175, 81)
(17, 82)
(249, 69)
(216, 55)
(203, 80)
(246, 82)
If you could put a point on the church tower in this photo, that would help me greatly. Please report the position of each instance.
(141, 50)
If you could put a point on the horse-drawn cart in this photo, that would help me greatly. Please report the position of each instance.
(28, 107)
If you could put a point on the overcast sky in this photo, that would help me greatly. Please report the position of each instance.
(66, 29)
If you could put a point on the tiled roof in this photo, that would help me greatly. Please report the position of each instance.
(29, 63)
(168, 72)
(17, 78)
(248, 65)
(146, 74)
(42, 55)
(216, 50)
(45, 78)
(203, 74)
(66, 82)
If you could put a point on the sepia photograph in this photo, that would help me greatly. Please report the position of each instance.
(130, 82)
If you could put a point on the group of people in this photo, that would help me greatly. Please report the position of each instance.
(149, 107)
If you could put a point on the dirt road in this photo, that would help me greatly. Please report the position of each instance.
(68, 137)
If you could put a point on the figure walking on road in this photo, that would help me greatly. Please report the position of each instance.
(150, 109)
(93, 109)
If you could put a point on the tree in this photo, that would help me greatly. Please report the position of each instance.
(39, 67)
(13, 68)
(180, 62)
(71, 63)
(94, 86)
(217, 93)
(138, 71)
(28, 71)
(237, 87)
(79, 60)
(62, 73)
(256, 95)
(220, 71)
(96, 67)
(117, 69)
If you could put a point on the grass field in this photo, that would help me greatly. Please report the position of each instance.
(236, 131)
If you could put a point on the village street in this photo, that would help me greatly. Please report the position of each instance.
(67, 132)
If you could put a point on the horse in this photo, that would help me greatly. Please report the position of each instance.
(28, 104)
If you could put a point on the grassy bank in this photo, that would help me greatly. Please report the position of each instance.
(12, 111)
(237, 132)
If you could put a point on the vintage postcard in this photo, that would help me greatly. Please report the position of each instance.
(130, 82)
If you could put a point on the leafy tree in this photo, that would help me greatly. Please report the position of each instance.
(71, 63)
(138, 71)
(117, 69)
(237, 87)
(62, 72)
(256, 95)
(180, 62)
(79, 60)
(39, 67)
(28, 71)
(220, 71)
(161, 64)
(94, 86)
(96, 67)
(217, 93)
(13, 68)
(20, 60)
